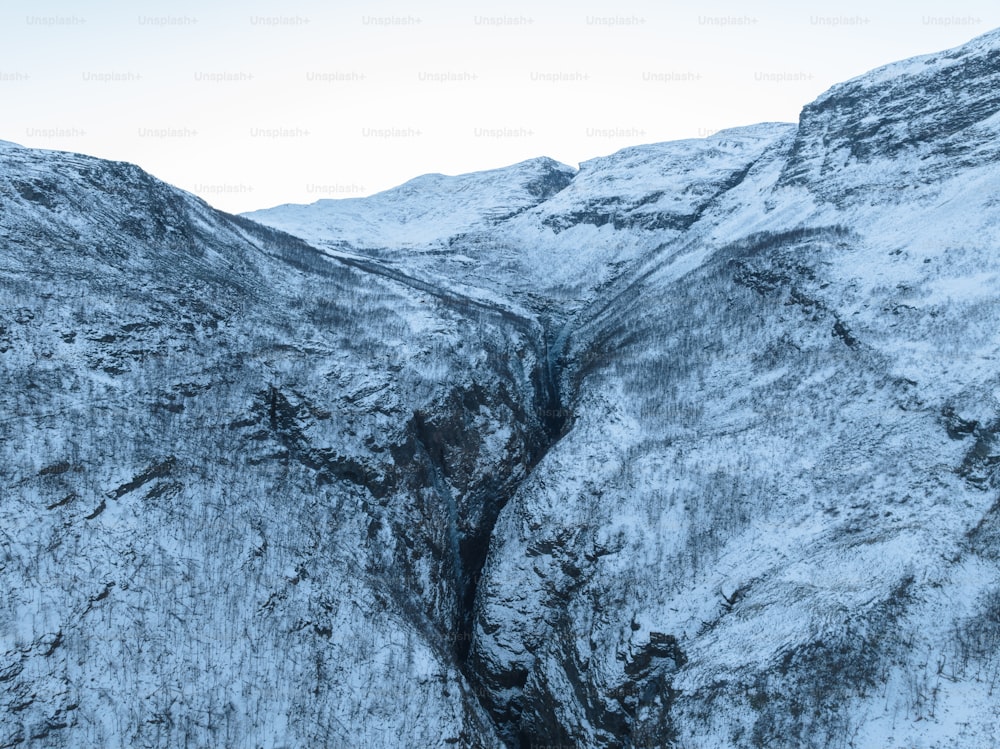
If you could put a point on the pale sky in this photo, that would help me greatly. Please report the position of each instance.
(251, 104)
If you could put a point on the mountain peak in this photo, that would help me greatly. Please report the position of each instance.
(928, 65)
(939, 104)
(426, 209)
(514, 174)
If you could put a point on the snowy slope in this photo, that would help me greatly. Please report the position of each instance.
(767, 524)
(622, 206)
(499, 231)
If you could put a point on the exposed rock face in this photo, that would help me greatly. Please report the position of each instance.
(927, 117)
(695, 446)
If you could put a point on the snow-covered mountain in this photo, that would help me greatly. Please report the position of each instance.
(695, 446)
(602, 218)
(248, 488)
(425, 211)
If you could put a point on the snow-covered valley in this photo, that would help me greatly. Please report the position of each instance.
(693, 446)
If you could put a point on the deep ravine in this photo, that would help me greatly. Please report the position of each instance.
(667, 459)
